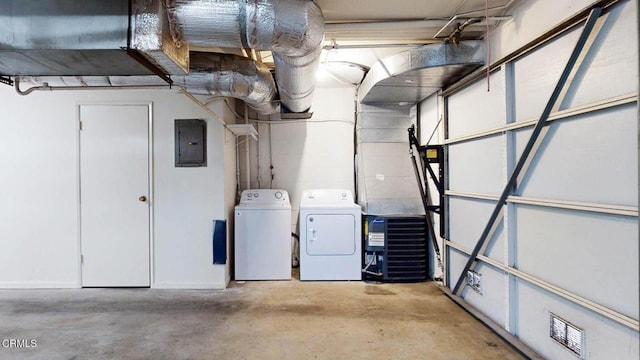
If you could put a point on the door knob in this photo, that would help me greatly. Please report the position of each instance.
(142, 198)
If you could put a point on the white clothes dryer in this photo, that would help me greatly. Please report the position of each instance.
(330, 235)
(263, 235)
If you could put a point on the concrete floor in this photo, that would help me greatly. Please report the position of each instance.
(252, 320)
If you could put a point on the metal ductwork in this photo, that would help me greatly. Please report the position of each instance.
(231, 76)
(222, 75)
(134, 43)
(64, 37)
(413, 75)
(388, 97)
(292, 29)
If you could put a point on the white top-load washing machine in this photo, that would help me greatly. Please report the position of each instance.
(330, 236)
(263, 235)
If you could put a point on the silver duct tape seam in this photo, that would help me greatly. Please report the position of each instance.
(260, 24)
(293, 27)
(205, 22)
(299, 27)
(151, 36)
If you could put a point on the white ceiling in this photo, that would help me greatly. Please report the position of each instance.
(412, 20)
(360, 32)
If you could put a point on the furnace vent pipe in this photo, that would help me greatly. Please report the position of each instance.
(292, 29)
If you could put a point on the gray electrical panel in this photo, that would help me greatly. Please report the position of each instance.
(191, 143)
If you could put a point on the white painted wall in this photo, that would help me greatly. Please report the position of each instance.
(312, 154)
(39, 191)
(585, 158)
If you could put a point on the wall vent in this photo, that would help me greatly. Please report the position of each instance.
(567, 335)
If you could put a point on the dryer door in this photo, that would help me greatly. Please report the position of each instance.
(331, 234)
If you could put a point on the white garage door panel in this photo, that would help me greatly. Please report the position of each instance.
(477, 166)
(537, 74)
(611, 67)
(455, 263)
(475, 109)
(492, 300)
(590, 158)
(467, 219)
(593, 255)
(431, 128)
(604, 338)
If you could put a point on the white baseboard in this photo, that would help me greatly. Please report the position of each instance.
(190, 286)
(38, 285)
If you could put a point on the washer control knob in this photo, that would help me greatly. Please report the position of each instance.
(278, 195)
(256, 194)
(249, 195)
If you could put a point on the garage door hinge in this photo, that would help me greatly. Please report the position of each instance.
(81, 259)
(80, 125)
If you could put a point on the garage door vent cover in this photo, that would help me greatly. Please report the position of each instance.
(567, 335)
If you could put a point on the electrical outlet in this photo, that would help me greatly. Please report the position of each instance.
(474, 280)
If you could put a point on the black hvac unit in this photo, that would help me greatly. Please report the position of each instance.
(395, 248)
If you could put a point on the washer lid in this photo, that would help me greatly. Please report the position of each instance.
(264, 206)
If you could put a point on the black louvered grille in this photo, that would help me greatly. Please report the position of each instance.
(406, 249)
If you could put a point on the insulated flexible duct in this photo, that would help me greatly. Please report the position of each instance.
(291, 29)
(232, 76)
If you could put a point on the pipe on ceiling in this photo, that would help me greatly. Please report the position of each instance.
(292, 29)
(469, 13)
(383, 25)
(209, 74)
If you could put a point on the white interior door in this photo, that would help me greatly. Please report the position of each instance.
(114, 195)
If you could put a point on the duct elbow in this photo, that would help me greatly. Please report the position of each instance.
(299, 28)
(231, 76)
(292, 29)
(300, 32)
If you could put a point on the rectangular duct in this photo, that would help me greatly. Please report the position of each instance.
(413, 75)
(385, 177)
(90, 37)
(388, 98)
